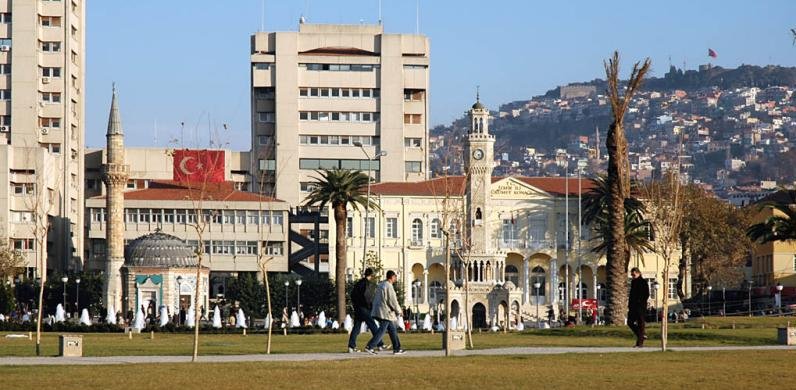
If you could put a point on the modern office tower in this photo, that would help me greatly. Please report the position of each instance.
(42, 52)
(337, 96)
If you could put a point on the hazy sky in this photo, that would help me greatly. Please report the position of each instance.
(188, 61)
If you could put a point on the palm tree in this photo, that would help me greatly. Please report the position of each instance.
(781, 225)
(618, 183)
(340, 188)
(637, 230)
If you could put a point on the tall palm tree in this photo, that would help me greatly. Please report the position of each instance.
(340, 188)
(618, 183)
(781, 225)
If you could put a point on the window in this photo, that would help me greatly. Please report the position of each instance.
(143, 215)
(253, 217)
(306, 186)
(5, 17)
(277, 218)
(602, 292)
(21, 216)
(50, 122)
(23, 244)
(339, 67)
(168, 215)
(51, 97)
(240, 217)
(50, 21)
(265, 139)
(413, 142)
(262, 65)
(538, 276)
(434, 228)
(267, 165)
(417, 232)
(5, 94)
(413, 119)
(794, 262)
(47, 71)
(5, 68)
(413, 95)
(370, 227)
(512, 274)
(273, 248)
(413, 166)
(510, 230)
(23, 188)
(415, 66)
(672, 288)
(335, 140)
(313, 164)
(323, 116)
(266, 117)
(537, 228)
(264, 93)
(391, 227)
(349, 227)
(50, 47)
(5, 120)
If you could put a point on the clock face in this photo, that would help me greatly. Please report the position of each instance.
(478, 154)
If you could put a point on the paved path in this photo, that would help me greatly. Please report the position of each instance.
(304, 357)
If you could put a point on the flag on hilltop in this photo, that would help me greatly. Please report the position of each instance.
(198, 166)
(712, 53)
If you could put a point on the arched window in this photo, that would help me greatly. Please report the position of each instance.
(478, 213)
(562, 292)
(417, 231)
(584, 291)
(512, 274)
(434, 228)
(538, 276)
(602, 292)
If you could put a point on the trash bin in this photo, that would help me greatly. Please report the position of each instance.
(70, 345)
(457, 340)
(786, 336)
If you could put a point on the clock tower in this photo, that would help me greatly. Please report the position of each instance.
(478, 164)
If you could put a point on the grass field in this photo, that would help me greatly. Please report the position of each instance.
(725, 370)
(749, 331)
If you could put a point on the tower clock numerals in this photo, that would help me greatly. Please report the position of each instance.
(478, 154)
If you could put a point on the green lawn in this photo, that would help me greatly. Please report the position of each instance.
(702, 370)
(749, 331)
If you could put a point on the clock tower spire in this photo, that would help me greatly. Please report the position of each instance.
(479, 162)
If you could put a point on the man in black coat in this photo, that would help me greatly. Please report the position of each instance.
(362, 300)
(637, 306)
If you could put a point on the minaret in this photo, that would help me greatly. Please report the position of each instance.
(479, 162)
(115, 177)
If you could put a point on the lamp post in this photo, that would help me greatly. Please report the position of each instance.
(599, 294)
(750, 297)
(298, 298)
(77, 294)
(710, 288)
(655, 299)
(367, 203)
(179, 300)
(287, 304)
(416, 285)
(64, 279)
(779, 297)
(723, 301)
(581, 165)
(536, 285)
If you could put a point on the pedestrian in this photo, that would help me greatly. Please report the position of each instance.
(386, 309)
(362, 299)
(637, 306)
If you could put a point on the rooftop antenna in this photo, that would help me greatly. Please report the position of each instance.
(417, 17)
(379, 11)
(478, 93)
(156, 131)
(262, 17)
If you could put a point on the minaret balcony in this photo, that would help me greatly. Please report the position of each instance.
(116, 169)
(480, 137)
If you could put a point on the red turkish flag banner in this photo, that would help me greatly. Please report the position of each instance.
(198, 166)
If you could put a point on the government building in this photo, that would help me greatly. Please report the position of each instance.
(506, 233)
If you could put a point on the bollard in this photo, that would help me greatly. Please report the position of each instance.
(130, 334)
(703, 326)
(733, 324)
(244, 331)
(151, 334)
(30, 335)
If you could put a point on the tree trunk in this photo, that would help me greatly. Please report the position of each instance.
(681, 266)
(618, 184)
(196, 315)
(340, 216)
(270, 313)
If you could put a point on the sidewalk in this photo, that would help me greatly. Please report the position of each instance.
(304, 357)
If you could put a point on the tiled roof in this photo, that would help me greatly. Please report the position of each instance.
(171, 190)
(455, 185)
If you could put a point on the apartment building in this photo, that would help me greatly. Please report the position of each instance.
(42, 52)
(337, 96)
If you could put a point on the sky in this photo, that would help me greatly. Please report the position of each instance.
(187, 62)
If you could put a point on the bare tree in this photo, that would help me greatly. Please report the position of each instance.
(619, 184)
(665, 213)
(11, 260)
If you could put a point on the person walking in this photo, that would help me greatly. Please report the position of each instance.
(637, 306)
(362, 299)
(385, 310)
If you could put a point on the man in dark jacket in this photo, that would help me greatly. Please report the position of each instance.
(637, 306)
(362, 300)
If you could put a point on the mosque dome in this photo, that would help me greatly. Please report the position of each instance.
(478, 105)
(159, 250)
(509, 285)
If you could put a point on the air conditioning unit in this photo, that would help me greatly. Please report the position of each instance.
(45, 131)
(45, 80)
(5, 129)
(5, 48)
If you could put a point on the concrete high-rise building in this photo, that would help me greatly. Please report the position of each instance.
(335, 96)
(42, 52)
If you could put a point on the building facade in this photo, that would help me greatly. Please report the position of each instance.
(337, 96)
(42, 129)
(506, 235)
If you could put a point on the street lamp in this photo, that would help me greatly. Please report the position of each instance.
(536, 285)
(367, 203)
(287, 284)
(64, 279)
(298, 298)
(723, 301)
(599, 295)
(710, 288)
(179, 300)
(655, 288)
(779, 295)
(77, 294)
(750, 297)
(416, 285)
